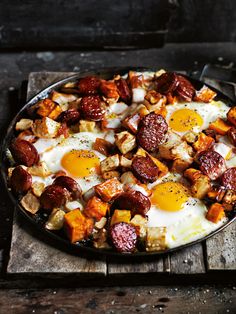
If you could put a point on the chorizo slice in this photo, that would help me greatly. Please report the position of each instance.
(123, 237)
(152, 131)
(212, 164)
(134, 201)
(70, 117)
(53, 196)
(70, 184)
(145, 169)
(89, 85)
(228, 179)
(185, 89)
(91, 108)
(21, 180)
(167, 82)
(24, 152)
(123, 90)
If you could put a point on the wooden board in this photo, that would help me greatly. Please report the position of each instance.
(35, 253)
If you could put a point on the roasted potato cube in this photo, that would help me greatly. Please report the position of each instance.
(140, 224)
(190, 137)
(231, 115)
(40, 170)
(55, 220)
(120, 215)
(183, 151)
(45, 128)
(200, 183)
(77, 226)
(131, 122)
(62, 99)
(109, 189)
(229, 197)
(203, 142)
(125, 162)
(37, 188)
(220, 126)
(48, 108)
(96, 208)
(156, 239)
(154, 101)
(165, 149)
(24, 124)
(179, 165)
(30, 203)
(110, 163)
(125, 142)
(102, 146)
(205, 94)
(110, 174)
(128, 178)
(101, 223)
(215, 213)
(87, 126)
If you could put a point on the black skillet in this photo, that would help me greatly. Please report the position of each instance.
(58, 239)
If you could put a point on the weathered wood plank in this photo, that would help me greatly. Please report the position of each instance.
(221, 250)
(188, 261)
(28, 255)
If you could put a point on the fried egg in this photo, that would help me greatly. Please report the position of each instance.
(174, 207)
(73, 155)
(194, 116)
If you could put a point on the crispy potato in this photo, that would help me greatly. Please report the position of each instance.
(179, 165)
(215, 213)
(231, 115)
(125, 141)
(110, 163)
(101, 223)
(87, 126)
(63, 100)
(40, 170)
(24, 124)
(55, 220)
(38, 188)
(125, 162)
(30, 203)
(96, 208)
(156, 239)
(203, 142)
(205, 94)
(45, 128)
(102, 146)
(201, 185)
(220, 126)
(131, 122)
(110, 174)
(109, 189)
(140, 224)
(48, 108)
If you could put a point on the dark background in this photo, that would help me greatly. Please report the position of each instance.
(68, 24)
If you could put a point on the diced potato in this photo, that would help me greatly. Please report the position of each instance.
(165, 149)
(30, 202)
(156, 239)
(179, 165)
(96, 208)
(48, 108)
(55, 220)
(125, 162)
(215, 213)
(220, 126)
(73, 205)
(109, 189)
(154, 101)
(140, 224)
(24, 124)
(88, 194)
(120, 215)
(110, 174)
(125, 141)
(87, 126)
(128, 178)
(205, 94)
(190, 137)
(62, 99)
(77, 226)
(40, 170)
(45, 128)
(131, 122)
(182, 151)
(200, 186)
(102, 146)
(101, 223)
(38, 188)
(203, 142)
(110, 163)
(231, 115)
(229, 197)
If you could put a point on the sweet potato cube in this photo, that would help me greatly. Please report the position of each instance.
(203, 142)
(120, 215)
(48, 108)
(231, 115)
(109, 189)
(205, 94)
(102, 146)
(77, 226)
(96, 208)
(215, 213)
(220, 126)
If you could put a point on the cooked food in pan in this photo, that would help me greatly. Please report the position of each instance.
(141, 162)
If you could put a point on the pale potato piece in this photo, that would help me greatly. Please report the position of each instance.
(30, 203)
(24, 124)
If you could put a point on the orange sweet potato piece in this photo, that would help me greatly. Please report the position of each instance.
(220, 126)
(203, 142)
(109, 189)
(215, 212)
(205, 94)
(120, 215)
(102, 146)
(231, 115)
(48, 108)
(109, 89)
(96, 208)
(77, 226)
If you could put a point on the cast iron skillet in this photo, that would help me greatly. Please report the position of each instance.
(84, 248)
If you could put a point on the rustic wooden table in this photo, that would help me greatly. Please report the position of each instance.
(186, 267)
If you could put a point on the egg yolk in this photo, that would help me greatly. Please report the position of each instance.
(185, 120)
(170, 196)
(80, 163)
